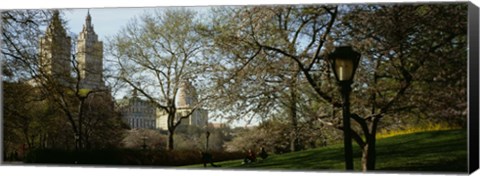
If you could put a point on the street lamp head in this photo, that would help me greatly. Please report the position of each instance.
(344, 61)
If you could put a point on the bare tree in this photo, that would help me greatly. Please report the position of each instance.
(155, 54)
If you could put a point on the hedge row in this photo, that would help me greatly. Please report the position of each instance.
(124, 157)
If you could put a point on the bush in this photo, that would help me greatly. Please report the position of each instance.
(125, 157)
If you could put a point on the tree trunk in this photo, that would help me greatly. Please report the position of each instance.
(170, 140)
(369, 148)
(80, 123)
(171, 128)
(368, 154)
(294, 143)
(371, 159)
(369, 128)
(371, 144)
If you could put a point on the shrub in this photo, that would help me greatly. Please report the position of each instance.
(125, 157)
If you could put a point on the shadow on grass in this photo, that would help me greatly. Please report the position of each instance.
(444, 151)
(440, 151)
(455, 165)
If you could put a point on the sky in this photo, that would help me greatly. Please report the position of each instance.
(106, 21)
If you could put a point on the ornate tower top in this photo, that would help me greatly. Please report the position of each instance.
(55, 27)
(90, 56)
(89, 18)
(88, 27)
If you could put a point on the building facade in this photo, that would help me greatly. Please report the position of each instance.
(186, 101)
(137, 113)
(55, 51)
(56, 55)
(90, 57)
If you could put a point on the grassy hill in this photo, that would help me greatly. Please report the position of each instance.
(438, 151)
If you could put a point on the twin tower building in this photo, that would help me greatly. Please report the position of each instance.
(56, 54)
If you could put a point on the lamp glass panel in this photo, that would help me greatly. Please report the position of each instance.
(344, 69)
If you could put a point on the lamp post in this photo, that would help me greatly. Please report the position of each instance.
(144, 146)
(344, 61)
(77, 141)
(206, 144)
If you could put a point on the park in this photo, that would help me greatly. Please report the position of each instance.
(334, 87)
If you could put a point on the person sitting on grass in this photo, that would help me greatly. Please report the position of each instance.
(263, 154)
(250, 158)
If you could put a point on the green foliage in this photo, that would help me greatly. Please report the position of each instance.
(36, 122)
(437, 151)
(29, 120)
(103, 125)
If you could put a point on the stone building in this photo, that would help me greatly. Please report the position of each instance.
(56, 54)
(186, 100)
(137, 113)
(140, 113)
(55, 50)
(90, 56)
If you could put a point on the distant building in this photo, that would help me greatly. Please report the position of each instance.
(186, 101)
(90, 57)
(137, 113)
(56, 66)
(56, 55)
(140, 113)
(55, 51)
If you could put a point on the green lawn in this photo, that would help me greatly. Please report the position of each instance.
(438, 151)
